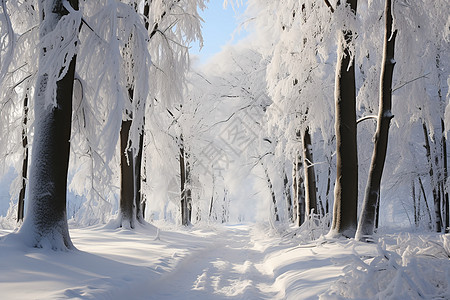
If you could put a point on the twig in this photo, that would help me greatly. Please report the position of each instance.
(402, 85)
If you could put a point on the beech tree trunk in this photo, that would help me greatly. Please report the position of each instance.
(127, 205)
(372, 196)
(310, 176)
(47, 216)
(346, 188)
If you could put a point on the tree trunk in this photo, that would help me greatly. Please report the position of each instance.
(127, 205)
(184, 200)
(272, 193)
(287, 194)
(346, 188)
(138, 201)
(299, 202)
(310, 176)
(415, 204)
(430, 224)
(21, 201)
(445, 178)
(434, 184)
(372, 196)
(188, 187)
(47, 216)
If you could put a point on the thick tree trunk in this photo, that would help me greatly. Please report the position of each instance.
(372, 196)
(346, 188)
(47, 216)
(21, 201)
(127, 205)
(310, 176)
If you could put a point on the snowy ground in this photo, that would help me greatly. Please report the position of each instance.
(225, 262)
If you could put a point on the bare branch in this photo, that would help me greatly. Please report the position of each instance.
(329, 5)
(408, 82)
(367, 118)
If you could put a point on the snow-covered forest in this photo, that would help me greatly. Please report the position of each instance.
(308, 160)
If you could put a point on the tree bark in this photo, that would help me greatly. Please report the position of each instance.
(21, 201)
(444, 180)
(372, 196)
(346, 188)
(47, 216)
(127, 183)
(138, 200)
(184, 200)
(310, 176)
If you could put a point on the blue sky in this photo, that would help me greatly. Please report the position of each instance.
(218, 28)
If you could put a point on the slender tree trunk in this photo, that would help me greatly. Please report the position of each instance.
(212, 195)
(127, 205)
(294, 189)
(372, 196)
(310, 176)
(188, 188)
(21, 201)
(434, 184)
(272, 193)
(430, 224)
(138, 201)
(299, 194)
(184, 200)
(346, 188)
(287, 194)
(47, 215)
(415, 203)
(445, 177)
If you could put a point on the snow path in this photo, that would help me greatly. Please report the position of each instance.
(223, 262)
(230, 268)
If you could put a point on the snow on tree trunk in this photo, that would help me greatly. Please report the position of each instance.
(310, 176)
(346, 188)
(372, 195)
(183, 190)
(46, 223)
(138, 180)
(287, 194)
(21, 200)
